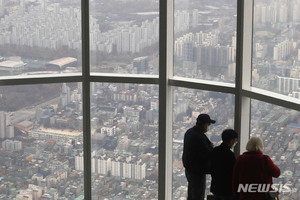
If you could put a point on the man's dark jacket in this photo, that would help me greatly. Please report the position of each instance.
(196, 151)
(222, 163)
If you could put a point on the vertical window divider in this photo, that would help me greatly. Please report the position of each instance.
(165, 99)
(243, 72)
(86, 98)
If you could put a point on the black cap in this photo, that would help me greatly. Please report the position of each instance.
(205, 118)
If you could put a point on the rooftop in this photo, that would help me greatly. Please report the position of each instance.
(63, 61)
(12, 64)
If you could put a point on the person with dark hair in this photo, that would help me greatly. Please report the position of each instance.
(196, 157)
(222, 163)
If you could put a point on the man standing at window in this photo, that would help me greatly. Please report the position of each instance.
(222, 163)
(197, 149)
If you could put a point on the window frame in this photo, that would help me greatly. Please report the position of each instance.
(165, 80)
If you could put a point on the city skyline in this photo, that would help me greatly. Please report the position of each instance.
(41, 125)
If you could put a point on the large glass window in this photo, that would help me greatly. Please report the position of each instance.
(124, 122)
(187, 105)
(40, 37)
(279, 127)
(276, 46)
(124, 36)
(41, 137)
(205, 39)
(56, 143)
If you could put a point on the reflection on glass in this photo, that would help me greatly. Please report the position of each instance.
(124, 36)
(205, 39)
(279, 128)
(124, 121)
(276, 52)
(187, 105)
(40, 37)
(40, 137)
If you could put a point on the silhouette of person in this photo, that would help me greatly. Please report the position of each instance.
(196, 157)
(222, 163)
(253, 167)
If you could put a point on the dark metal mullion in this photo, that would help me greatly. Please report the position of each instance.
(239, 71)
(118, 79)
(40, 80)
(162, 138)
(86, 98)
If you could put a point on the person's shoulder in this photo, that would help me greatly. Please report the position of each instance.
(265, 156)
(250, 155)
(242, 156)
(217, 148)
(190, 133)
(222, 149)
(190, 129)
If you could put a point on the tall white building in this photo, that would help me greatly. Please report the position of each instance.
(44, 5)
(2, 124)
(93, 90)
(101, 166)
(94, 165)
(288, 85)
(298, 54)
(22, 5)
(104, 166)
(281, 50)
(8, 145)
(283, 13)
(10, 131)
(127, 170)
(139, 171)
(12, 145)
(125, 41)
(17, 145)
(116, 168)
(154, 103)
(65, 95)
(1, 8)
(79, 162)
